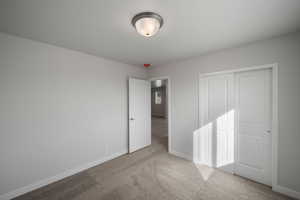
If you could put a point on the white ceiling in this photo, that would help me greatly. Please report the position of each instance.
(191, 27)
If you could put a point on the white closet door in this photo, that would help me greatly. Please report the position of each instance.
(139, 114)
(215, 137)
(253, 141)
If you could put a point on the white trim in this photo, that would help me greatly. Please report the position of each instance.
(286, 191)
(169, 108)
(275, 128)
(67, 173)
(195, 141)
(245, 69)
(181, 155)
(274, 68)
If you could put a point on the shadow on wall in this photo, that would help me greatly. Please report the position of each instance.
(213, 142)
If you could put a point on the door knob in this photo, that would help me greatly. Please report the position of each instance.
(131, 119)
(268, 131)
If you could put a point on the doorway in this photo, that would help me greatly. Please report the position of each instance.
(160, 112)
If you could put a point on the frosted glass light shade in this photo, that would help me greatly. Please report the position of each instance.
(147, 26)
(147, 23)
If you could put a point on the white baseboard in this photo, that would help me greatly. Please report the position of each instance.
(286, 191)
(47, 181)
(181, 155)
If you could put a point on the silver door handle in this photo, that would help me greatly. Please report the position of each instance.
(268, 131)
(131, 119)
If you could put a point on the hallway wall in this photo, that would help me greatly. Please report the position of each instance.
(159, 110)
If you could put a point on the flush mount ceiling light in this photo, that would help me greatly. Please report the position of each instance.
(147, 23)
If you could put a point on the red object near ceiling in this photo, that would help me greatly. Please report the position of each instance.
(147, 65)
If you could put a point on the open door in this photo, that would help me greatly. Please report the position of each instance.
(139, 114)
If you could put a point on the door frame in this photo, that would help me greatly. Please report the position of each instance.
(169, 106)
(274, 69)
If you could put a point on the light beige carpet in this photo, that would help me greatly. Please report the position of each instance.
(152, 173)
(159, 126)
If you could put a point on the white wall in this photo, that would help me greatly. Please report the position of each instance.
(59, 110)
(283, 50)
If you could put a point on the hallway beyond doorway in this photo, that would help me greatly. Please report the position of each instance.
(160, 131)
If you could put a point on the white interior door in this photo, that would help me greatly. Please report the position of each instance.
(215, 137)
(235, 124)
(139, 114)
(253, 141)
